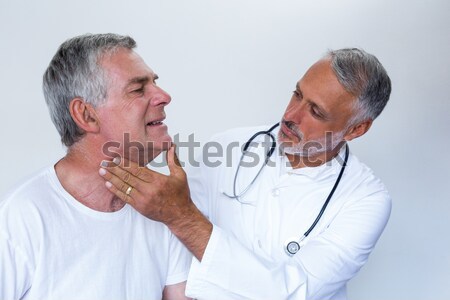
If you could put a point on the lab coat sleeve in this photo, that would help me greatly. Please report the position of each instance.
(230, 271)
(321, 267)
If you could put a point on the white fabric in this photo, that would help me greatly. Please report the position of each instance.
(245, 256)
(54, 247)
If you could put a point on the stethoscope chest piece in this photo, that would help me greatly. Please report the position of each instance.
(292, 247)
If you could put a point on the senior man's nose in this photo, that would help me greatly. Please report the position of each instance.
(160, 97)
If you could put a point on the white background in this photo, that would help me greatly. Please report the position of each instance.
(234, 63)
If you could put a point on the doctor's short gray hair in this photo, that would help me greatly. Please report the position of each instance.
(75, 71)
(362, 75)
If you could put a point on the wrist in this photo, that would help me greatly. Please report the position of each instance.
(184, 217)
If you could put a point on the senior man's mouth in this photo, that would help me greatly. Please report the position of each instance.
(155, 123)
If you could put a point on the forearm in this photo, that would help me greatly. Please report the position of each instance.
(175, 292)
(193, 229)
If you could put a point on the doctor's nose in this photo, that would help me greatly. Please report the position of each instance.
(295, 113)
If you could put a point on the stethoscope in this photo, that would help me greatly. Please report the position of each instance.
(291, 246)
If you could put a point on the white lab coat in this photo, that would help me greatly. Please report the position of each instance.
(245, 257)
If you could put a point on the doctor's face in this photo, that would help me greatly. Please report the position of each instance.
(134, 109)
(319, 104)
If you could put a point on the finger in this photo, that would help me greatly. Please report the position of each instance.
(122, 195)
(121, 177)
(172, 160)
(143, 173)
(175, 156)
(131, 167)
(118, 183)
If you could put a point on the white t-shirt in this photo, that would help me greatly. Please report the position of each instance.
(245, 257)
(54, 247)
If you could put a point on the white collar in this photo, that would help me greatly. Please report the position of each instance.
(330, 168)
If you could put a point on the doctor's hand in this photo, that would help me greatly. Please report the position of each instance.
(161, 198)
(158, 197)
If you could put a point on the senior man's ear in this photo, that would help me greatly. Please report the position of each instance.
(358, 130)
(84, 115)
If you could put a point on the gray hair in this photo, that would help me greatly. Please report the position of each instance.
(362, 75)
(75, 71)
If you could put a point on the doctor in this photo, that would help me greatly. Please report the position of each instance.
(297, 227)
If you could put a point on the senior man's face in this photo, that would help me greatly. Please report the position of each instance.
(318, 105)
(133, 113)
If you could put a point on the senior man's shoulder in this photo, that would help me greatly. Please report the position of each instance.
(33, 191)
(25, 209)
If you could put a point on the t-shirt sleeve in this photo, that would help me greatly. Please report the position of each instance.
(15, 269)
(179, 262)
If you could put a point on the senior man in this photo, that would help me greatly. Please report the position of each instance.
(300, 223)
(63, 235)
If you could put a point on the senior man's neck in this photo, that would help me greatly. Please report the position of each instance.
(78, 174)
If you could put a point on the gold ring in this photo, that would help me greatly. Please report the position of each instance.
(129, 189)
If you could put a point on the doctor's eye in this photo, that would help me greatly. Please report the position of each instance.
(298, 94)
(316, 113)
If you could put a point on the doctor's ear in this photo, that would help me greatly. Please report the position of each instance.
(358, 130)
(84, 115)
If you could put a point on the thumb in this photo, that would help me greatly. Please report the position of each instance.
(172, 159)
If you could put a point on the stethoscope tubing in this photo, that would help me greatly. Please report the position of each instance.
(293, 246)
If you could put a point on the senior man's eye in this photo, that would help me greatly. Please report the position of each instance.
(139, 90)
